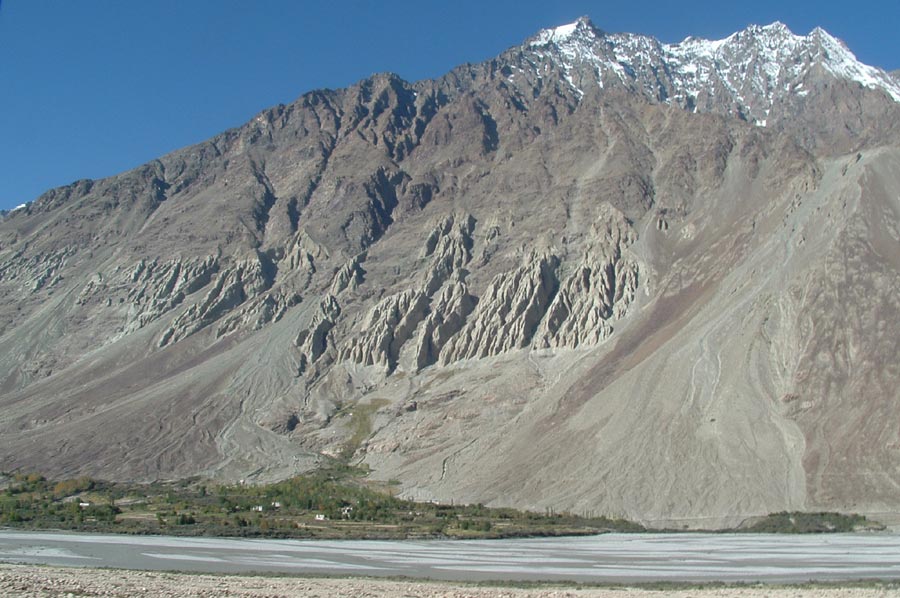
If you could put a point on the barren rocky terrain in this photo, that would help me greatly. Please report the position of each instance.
(597, 273)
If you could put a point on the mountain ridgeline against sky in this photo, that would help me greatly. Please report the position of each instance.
(597, 273)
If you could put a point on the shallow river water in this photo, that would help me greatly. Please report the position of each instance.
(606, 558)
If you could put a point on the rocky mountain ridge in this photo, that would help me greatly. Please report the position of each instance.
(597, 272)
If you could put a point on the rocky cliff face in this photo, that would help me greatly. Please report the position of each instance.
(595, 273)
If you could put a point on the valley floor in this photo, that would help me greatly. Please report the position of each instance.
(20, 581)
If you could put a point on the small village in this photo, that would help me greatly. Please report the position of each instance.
(333, 504)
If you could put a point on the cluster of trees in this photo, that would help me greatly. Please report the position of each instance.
(320, 493)
(31, 498)
(809, 523)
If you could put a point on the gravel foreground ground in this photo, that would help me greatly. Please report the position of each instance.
(50, 582)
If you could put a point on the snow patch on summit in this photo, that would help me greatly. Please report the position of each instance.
(575, 44)
(563, 33)
(842, 63)
(556, 35)
(753, 65)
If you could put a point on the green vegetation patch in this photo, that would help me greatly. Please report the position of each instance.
(810, 523)
(338, 502)
(360, 425)
(333, 503)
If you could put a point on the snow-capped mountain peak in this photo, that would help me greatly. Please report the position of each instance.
(837, 58)
(746, 73)
(583, 27)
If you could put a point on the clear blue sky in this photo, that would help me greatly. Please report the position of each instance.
(90, 88)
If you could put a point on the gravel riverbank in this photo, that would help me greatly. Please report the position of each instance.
(20, 581)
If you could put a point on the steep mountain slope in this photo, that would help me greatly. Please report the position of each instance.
(596, 273)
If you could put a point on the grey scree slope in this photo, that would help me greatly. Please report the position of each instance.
(595, 273)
